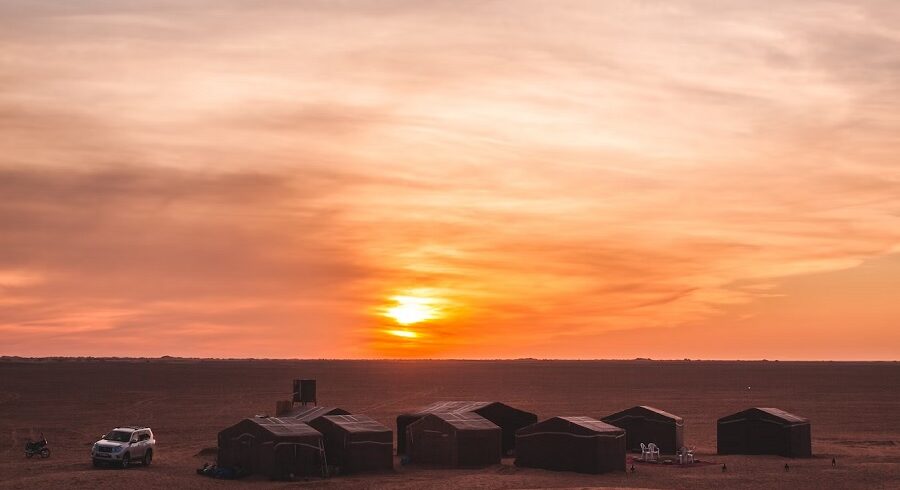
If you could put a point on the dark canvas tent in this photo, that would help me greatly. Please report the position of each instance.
(509, 419)
(462, 439)
(764, 431)
(272, 446)
(645, 424)
(308, 414)
(581, 444)
(356, 443)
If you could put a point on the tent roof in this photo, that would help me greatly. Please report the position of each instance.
(453, 406)
(466, 420)
(661, 412)
(284, 427)
(305, 414)
(592, 424)
(786, 416)
(456, 406)
(644, 408)
(356, 423)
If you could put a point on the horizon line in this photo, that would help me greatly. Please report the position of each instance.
(420, 359)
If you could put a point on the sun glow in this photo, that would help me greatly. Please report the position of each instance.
(412, 309)
(406, 334)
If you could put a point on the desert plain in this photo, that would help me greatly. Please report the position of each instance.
(854, 409)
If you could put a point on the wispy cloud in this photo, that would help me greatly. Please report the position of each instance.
(248, 179)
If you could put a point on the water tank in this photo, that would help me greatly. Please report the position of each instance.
(305, 391)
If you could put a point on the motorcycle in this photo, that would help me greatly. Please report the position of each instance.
(37, 447)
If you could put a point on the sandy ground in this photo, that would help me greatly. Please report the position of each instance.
(854, 409)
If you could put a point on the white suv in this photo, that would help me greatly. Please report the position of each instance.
(123, 446)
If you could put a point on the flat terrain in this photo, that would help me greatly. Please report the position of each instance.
(854, 409)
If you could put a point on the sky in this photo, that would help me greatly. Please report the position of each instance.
(450, 179)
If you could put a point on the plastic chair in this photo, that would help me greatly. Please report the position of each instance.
(654, 451)
(645, 452)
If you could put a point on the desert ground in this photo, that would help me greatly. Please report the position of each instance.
(854, 409)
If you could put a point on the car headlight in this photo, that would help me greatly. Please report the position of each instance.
(117, 449)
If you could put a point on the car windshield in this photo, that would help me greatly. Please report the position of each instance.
(118, 436)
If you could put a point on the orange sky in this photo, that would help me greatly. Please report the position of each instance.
(509, 178)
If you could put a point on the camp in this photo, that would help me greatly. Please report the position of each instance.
(462, 439)
(356, 443)
(764, 431)
(509, 419)
(580, 444)
(645, 424)
(276, 447)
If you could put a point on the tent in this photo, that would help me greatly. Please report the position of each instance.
(356, 443)
(645, 424)
(462, 439)
(581, 444)
(309, 414)
(509, 419)
(764, 431)
(276, 447)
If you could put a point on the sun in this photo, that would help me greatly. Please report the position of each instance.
(412, 309)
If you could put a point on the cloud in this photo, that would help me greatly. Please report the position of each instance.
(163, 249)
(258, 179)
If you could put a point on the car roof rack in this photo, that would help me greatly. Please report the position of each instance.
(132, 427)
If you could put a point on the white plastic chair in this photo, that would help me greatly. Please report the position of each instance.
(654, 451)
(690, 455)
(645, 452)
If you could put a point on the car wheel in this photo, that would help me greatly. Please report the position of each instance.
(45, 453)
(96, 463)
(126, 461)
(148, 457)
